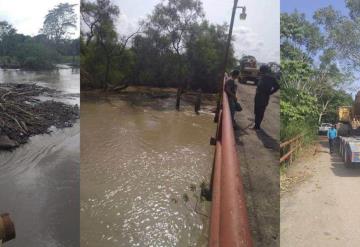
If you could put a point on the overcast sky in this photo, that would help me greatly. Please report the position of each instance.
(258, 35)
(28, 16)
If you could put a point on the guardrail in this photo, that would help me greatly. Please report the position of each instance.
(7, 229)
(289, 148)
(229, 224)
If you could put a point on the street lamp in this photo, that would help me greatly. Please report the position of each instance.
(242, 17)
(243, 13)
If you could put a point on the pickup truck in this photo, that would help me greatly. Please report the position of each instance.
(323, 128)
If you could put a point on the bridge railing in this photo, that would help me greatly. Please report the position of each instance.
(289, 148)
(7, 228)
(229, 223)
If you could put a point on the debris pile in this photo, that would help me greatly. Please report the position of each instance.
(23, 115)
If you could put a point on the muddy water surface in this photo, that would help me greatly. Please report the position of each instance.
(64, 78)
(39, 181)
(142, 164)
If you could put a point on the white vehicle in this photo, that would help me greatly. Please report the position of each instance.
(324, 127)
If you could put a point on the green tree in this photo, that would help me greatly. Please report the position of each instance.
(172, 21)
(342, 33)
(173, 46)
(206, 44)
(313, 71)
(59, 22)
(101, 37)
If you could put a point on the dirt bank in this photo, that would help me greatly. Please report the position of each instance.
(143, 94)
(24, 114)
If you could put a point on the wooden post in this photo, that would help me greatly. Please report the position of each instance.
(198, 102)
(291, 155)
(178, 95)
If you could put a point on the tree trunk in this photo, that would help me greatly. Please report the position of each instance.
(322, 113)
(320, 118)
(107, 71)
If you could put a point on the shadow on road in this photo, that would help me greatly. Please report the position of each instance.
(337, 165)
(267, 140)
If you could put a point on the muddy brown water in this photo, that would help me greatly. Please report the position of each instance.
(142, 164)
(39, 181)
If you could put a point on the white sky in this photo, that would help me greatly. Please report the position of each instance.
(27, 16)
(258, 35)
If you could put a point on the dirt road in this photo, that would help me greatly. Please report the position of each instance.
(324, 209)
(259, 161)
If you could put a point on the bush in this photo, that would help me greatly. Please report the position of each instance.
(295, 128)
(298, 114)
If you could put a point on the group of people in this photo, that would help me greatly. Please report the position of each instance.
(266, 86)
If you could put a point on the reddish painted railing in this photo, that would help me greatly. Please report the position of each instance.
(229, 224)
(7, 229)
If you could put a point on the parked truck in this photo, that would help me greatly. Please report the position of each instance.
(249, 70)
(349, 132)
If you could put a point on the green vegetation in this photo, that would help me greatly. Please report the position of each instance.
(317, 65)
(44, 50)
(175, 46)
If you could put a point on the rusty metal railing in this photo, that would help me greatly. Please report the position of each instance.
(229, 224)
(289, 148)
(7, 229)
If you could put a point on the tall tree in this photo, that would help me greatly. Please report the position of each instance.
(99, 19)
(173, 20)
(7, 31)
(342, 33)
(59, 22)
(313, 65)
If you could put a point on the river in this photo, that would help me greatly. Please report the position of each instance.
(39, 181)
(142, 164)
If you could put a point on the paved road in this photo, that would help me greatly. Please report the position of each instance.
(259, 161)
(325, 209)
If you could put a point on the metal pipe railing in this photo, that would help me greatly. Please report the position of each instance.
(229, 224)
(7, 229)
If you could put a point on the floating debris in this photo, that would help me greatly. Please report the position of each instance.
(23, 115)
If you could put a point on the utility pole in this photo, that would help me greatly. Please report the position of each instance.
(221, 84)
(229, 36)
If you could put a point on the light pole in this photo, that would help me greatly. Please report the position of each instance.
(221, 85)
(242, 17)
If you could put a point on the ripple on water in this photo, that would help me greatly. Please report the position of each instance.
(134, 193)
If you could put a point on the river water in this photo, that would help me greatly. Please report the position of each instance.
(39, 181)
(142, 164)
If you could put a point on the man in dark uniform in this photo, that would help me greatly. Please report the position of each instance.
(267, 86)
(230, 89)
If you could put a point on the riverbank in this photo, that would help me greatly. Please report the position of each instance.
(14, 63)
(24, 114)
(144, 93)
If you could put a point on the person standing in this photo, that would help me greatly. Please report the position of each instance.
(230, 89)
(267, 86)
(331, 134)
